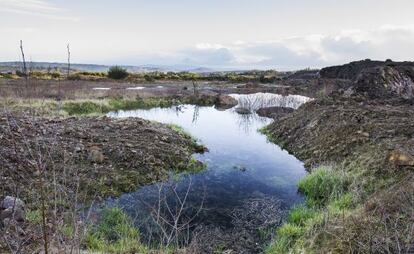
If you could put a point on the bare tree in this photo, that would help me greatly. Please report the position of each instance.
(24, 63)
(68, 70)
(195, 90)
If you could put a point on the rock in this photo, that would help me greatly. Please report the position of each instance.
(225, 102)
(12, 208)
(79, 148)
(96, 155)
(251, 86)
(363, 133)
(401, 158)
(243, 111)
(240, 168)
(12, 202)
(17, 214)
(274, 112)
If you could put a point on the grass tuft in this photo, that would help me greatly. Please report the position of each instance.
(115, 233)
(323, 185)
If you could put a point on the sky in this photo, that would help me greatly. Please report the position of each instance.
(237, 34)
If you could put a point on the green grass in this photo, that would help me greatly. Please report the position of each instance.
(105, 106)
(323, 185)
(115, 233)
(195, 166)
(85, 108)
(34, 216)
(300, 214)
(180, 130)
(325, 190)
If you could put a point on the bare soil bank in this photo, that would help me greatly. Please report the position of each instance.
(364, 131)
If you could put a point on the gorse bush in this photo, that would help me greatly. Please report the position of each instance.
(117, 72)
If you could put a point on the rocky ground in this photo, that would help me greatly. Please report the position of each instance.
(63, 163)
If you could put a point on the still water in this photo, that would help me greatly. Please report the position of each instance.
(245, 174)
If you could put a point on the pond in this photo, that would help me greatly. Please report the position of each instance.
(244, 192)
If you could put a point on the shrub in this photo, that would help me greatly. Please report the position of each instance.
(55, 75)
(20, 73)
(323, 185)
(117, 72)
(75, 76)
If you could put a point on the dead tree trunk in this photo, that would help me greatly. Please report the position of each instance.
(24, 62)
(68, 71)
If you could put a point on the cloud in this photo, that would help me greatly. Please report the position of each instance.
(207, 56)
(38, 8)
(307, 51)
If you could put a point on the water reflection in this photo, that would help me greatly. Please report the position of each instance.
(263, 100)
(245, 172)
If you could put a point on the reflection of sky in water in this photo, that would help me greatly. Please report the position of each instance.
(234, 143)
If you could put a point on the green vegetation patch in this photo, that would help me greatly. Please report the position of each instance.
(115, 233)
(326, 193)
(323, 185)
(85, 107)
(117, 72)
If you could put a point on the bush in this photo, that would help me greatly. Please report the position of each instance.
(323, 185)
(20, 73)
(55, 75)
(117, 72)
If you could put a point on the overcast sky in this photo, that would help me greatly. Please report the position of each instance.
(281, 34)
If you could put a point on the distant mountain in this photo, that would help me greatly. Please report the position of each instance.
(13, 66)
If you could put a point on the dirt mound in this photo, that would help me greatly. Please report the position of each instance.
(386, 81)
(375, 79)
(107, 156)
(335, 128)
(352, 70)
(372, 143)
